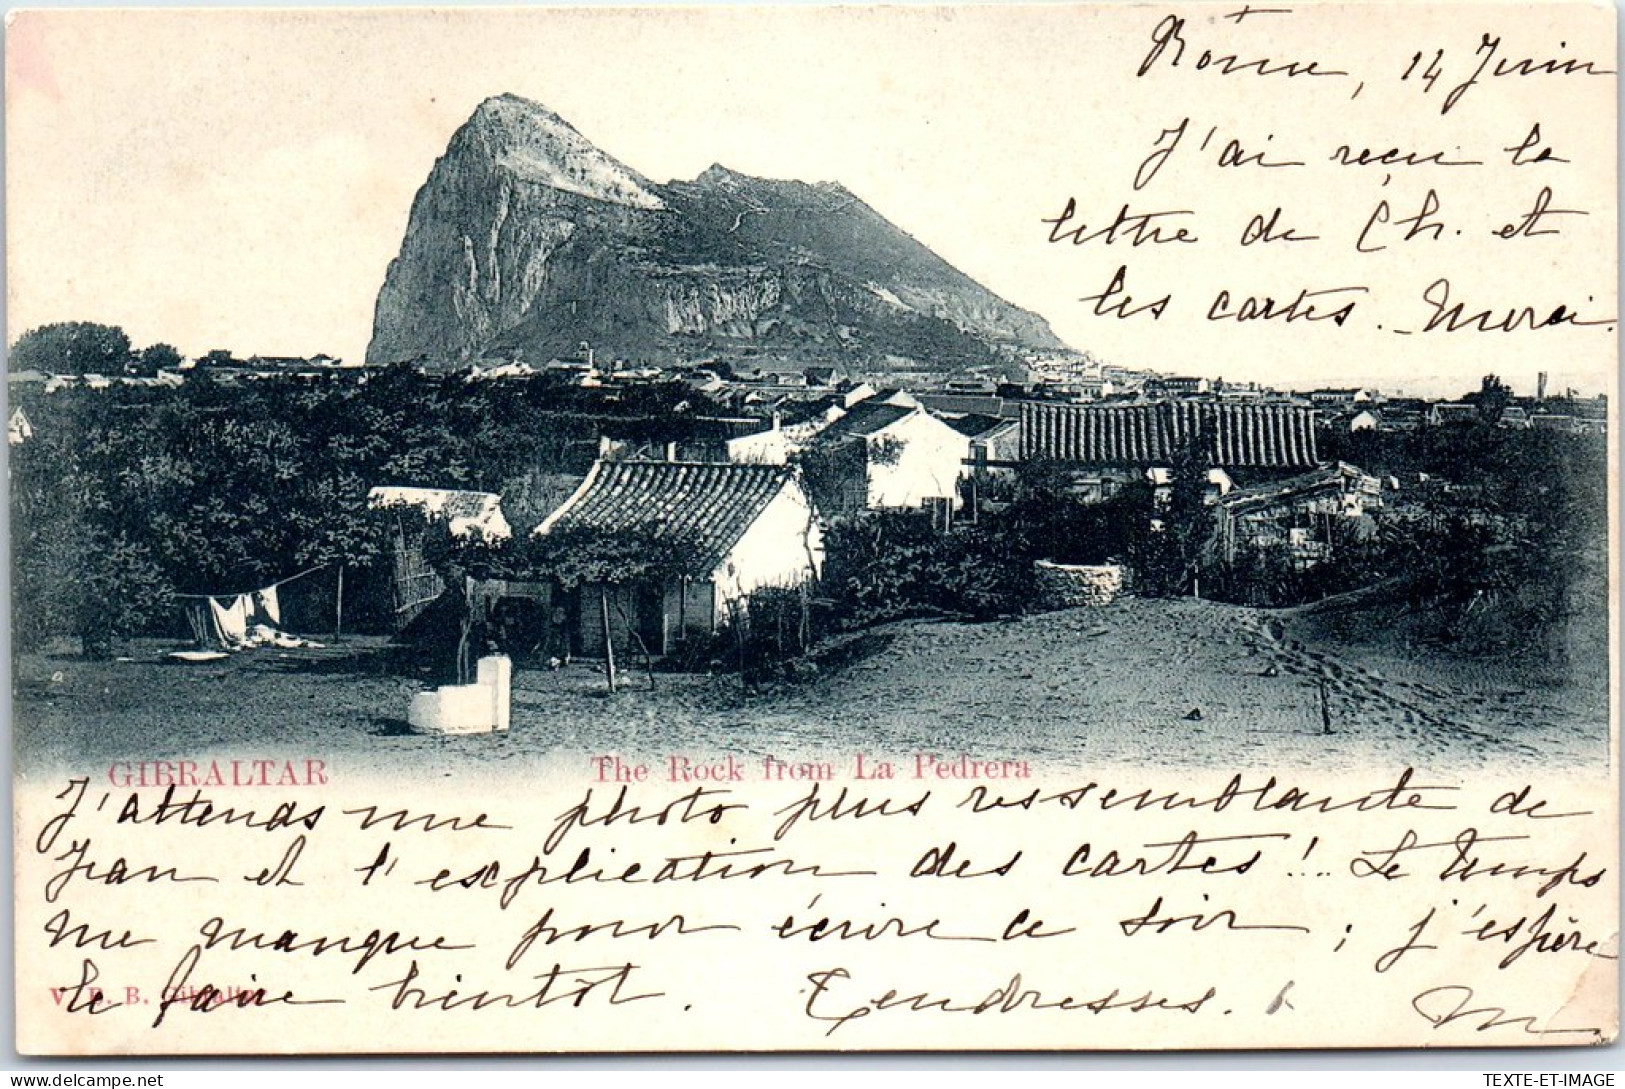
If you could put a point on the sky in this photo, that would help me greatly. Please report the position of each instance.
(241, 179)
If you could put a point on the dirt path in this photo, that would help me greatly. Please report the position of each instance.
(1431, 719)
(1193, 683)
(1151, 683)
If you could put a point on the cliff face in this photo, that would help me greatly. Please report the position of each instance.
(527, 240)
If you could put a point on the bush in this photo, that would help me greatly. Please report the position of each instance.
(774, 636)
(890, 565)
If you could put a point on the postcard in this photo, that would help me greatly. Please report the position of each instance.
(1066, 527)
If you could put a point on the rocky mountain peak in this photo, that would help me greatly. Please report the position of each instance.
(717, 174)
(722, 179)
(526, 240)
(536, 145)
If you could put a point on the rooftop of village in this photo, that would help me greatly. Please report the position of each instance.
(752, 392)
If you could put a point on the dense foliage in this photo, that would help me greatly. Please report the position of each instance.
(886, 565)
(571, 557)
(85, 347)
(73, 347)
(1495, 537)
(1502, 533)
(125, 497)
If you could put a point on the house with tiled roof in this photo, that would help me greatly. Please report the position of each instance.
(1105, 446)
(1454, 412)
(1297, 515)
(888, 452)
(1145, 435)
(740, 527)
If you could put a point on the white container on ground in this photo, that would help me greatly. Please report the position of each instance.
(477, 708)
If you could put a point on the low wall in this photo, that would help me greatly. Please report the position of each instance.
(1067, 586)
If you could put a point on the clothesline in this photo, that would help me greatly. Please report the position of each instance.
(259, 589)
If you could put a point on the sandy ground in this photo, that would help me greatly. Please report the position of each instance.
(1150, 683)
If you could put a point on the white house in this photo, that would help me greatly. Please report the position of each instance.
(892, 455)
(743, 527)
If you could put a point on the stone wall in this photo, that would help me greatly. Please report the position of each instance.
(1066, 586)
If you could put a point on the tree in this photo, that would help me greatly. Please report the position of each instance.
(1171, 558)
(835, 472)
(72, 347)
(1492, 398)
(73, 573)
(159, 357)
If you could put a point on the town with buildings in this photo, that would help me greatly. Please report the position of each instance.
(695, 529)
(749, 432)
(747, 467)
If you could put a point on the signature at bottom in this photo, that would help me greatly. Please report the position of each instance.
(1454, 1003)
(1012, 996)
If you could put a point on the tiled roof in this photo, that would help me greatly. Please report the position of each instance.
(1338, 476)
(969, 404)
(708, 508)
(868, 418)
(1454, 410)
(978, 426)
(1238, 436)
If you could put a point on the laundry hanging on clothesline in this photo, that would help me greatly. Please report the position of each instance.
(236, 621)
